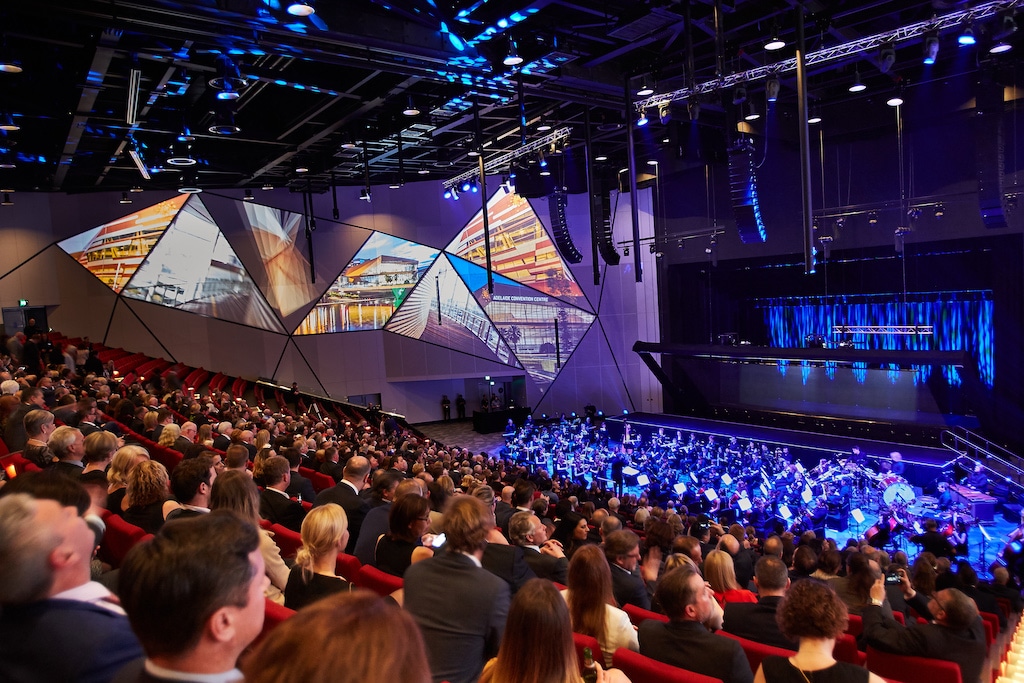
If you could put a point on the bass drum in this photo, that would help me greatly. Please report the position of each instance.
(900, 493)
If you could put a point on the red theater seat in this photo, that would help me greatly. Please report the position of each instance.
(755, 652)
(379, 582)
(641, 669)
(287, 540)
(118, 539)
(912, 669)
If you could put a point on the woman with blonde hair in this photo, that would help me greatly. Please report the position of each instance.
(169, 434)
(592, 609)
(538, 624)
(204, 436)
(124, 460)
(147, 495)
(720, 572)
(382, 645)
(235, 490)
(324, 535)
(262, 440)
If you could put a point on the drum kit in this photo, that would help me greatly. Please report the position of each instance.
(901, 510)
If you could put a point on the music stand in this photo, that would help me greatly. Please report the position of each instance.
(679, 488)
(858, 518)
(985, 540)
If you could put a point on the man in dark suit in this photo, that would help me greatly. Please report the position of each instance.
(956, 633)
(631, 584)
(743, 559)
(223, 438)
(932, 541)
(544, 556)
(684, 641)
(298, 486)
(14, 426)
(59, 626)
(196, 631)
(275, 505)
(756, 621)
(68, 444)
(346, 494)
(522, 497)
(460, 634)
(1001, 588)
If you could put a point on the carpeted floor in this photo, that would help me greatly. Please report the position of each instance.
(460, 433)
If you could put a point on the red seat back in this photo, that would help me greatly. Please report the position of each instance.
(287, 540)
(638, 614)
(118, 539)
(899, 617)
(273, 615)
(912, 669)
(856, 625)
(347, 566)
(643, 669)
(846, 650)
(319, 480)
(755, 651)
(15, 464)
(379, 582)
(581, 642)
(993, 621)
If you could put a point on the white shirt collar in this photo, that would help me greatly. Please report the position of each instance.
(473, 558)
(278, 491)
(232, 676)
(94, 593)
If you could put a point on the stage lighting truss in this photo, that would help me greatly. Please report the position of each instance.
(907, 330)
(502, 162)
(838, 53)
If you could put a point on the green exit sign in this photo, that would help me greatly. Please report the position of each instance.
(23, 302)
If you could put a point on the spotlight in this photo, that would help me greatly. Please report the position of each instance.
(465, 186)
(642, 120)
(455, 194)
(135, 188)
(512, 58)
(474, 187)
(814, 118)
(886, 58)
(447, 193)
(181, 155)
(774, 43)
(302, 169)
(10, 65)
(858, 85)
(693, 108)
(1000, 47)
(124, 199)
(364, 194)
(872, 217)
(931, 49)
(664, 113)
(267, 186)
(939, 210)
(895, 101)
(228, 76)
(398, 184)
(652, 247)
(7, 201)
(248, 196)
(966, 36)
(423, 171)
(544, 125)
(753, 114)
(771, 88)
(189, 185)
(625, 250)
(8, 123)
(301, 8)
(652, 162)
(739, 95)
(645, 89)
(410, 108)
(224, 124)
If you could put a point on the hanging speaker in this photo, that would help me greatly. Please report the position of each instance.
(988, 150)
(557, 203)
(743, 192)
(601, 226)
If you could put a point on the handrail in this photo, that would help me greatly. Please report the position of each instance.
(997, 460)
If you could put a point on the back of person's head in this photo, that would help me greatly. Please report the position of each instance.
(124, 460)
(485, 494)
(382, 645)
(173, 584)
(1001, 576)
(9, 387)
(35, 420)
(169, 434)
(26, 574)
(773, 546)
(403, 513)
(610, 524)
(589, 580)
(385, 482)
(50, 485)
(930, 525)
(234, 490)
(538, 623)
(147, 483)
(293, 455)
(275, 468)
(28, 394)
(236, 456)
(805, 561)
(62, 439)
(961, 610)
(163, 414)
(620, 543)
(811, 609)
(720, 571)
(357, 468)
(965, 573)
(676, 591)
(409, 487)
(676, 559)
(189, 475)
(771, 574)
(523, 492)
(99, 446)
(467, 522)
(829, 562)
(324, 532)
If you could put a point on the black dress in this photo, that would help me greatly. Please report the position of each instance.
(393, 556)
(780, 670)
(298, 593)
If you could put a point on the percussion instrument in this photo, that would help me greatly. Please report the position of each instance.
(899, 492)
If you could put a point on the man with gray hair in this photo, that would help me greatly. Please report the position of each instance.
(544, 556)
(68, 444)
(9, 387)
(223, 438)
(55, 624)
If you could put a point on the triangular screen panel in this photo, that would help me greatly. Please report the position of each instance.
(462, 325)
(370, 288)
(195, 269)
(521, 248)
(525, 318)
(114, 251)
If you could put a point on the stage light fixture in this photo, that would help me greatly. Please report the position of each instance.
(224, 123)
(544, 125)
(228, 76)
(423, 171)
(181, 155)
(135, 188)
(8, 123)
(10, 65)
(664, 113)
(7, 201)
(739, 95)
(857, 85)
(872, 217)
(693, 109)
(752, 114)
(939, 211)
(645, 89)
(774, 42)
(895, 101)
(189, 185)
(447, 193)
(814, 118)
(642, 119)
(364, 194)
(248, 196)
(410, 108)
(465, 187)
(600, 156)
(512, 58)
(301, 8)
(966, 36)
(1000, 47)
(302, 169)
(931, 48)
(267, 186)
(886, 58)
(125, 199)
(771, 89)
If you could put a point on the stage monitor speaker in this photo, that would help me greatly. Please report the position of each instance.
(557, 203)
(988, 149)
(838, 522)
(743, 193)
(1011, 512)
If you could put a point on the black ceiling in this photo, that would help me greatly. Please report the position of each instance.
(322, 89)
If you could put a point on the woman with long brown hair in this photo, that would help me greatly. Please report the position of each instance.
(592, 607)
(537, 646)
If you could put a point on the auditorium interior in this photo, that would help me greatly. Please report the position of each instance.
(548, 206)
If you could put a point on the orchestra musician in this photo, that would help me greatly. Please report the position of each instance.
(977, 479)
(945, 496)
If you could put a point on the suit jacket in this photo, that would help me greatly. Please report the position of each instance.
(300, 486)
(354, 506)
(756, 621)
(547, 566)
(507, 563)
(374, 524)
(14, 427)
(965, 647)
(63, 640)
(67, 469)
(689, 645)
(629, 589)
(278, 509)
(221, 442)
(463, 633)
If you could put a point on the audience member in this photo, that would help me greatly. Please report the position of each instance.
(68, 444)
(299, 486)
(813, 615)
(631, 583)
(544, 556)
(460, 634)
(55, 624)
(346, 494)
(192, 483)
(719, 572)
(98, 450)
(757, 621)
(39, 425)
(376, 521)
(381, 645)
(590, 600)
(125, 459)
(147, 496)
(324, 535)
(15, 436)
(684, 641)
(408, 520)
(194, 596)
(275, 505)
(538, 645)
